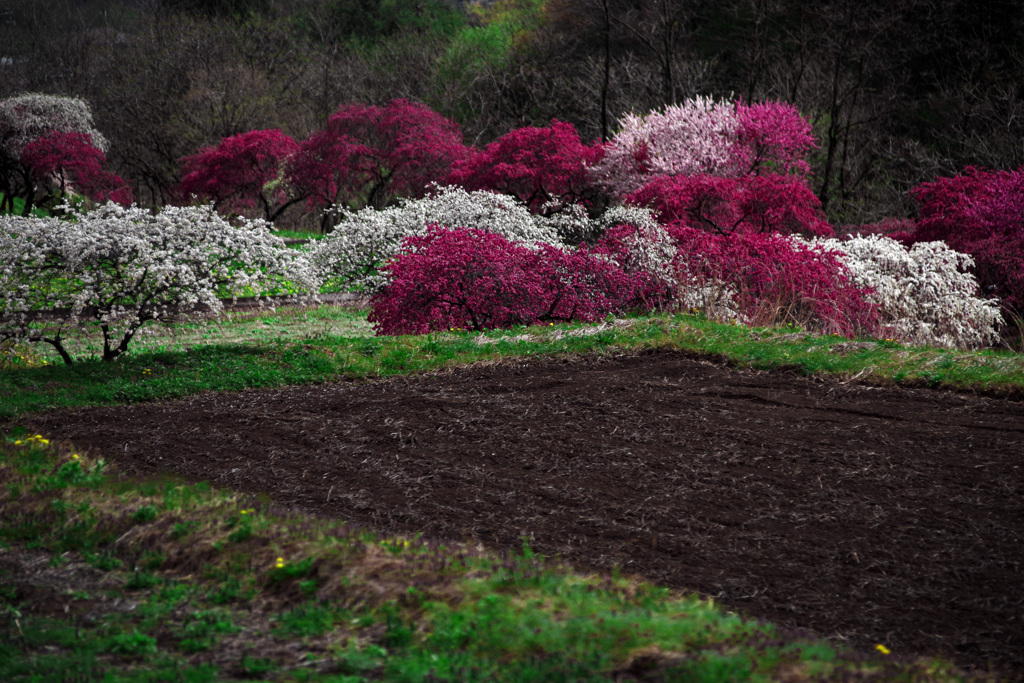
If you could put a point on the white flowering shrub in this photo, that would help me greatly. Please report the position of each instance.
(364, 240)
(120, 268)
(27, 117)
(925, 294)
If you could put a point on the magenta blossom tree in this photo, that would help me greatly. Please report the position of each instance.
(471, 279)
(369, 155)
(980, 213)
(242, 174)
(545, 168)
(772, 137)
(747, 204)
(58, 163)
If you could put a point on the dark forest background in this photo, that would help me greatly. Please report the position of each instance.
(898, 91)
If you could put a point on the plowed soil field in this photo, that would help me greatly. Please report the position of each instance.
(868, 515)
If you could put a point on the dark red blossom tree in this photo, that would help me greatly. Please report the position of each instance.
(759, 204)
(980, 213)
(368, 155)
(471, 279)
(242, 174)
(545, 168)
(58, 163)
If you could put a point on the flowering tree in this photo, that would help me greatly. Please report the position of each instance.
(772, 137)
(758, 204)
(119, 268)
(367, 155)
(242, 174)
(693, 137)
(363, 241)
(477, 280)
(59, 162)
(25, 119)
(545, 168)
(766, 279)
(980, 213)
(924, 294)
(702, 136)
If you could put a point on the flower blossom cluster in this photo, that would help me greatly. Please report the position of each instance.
(924, 294)
(706, 137)
(27, 117)
(119, 268)
(769, 279)
(981, 213)
(684, 139)
(471, 279)
(363, 241)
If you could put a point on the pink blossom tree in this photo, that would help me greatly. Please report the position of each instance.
(369, 155)
(545, 168)
(747, 204)
(980, 213)
(242, 174)
(702, 136)
(57, 163)
(685, 139)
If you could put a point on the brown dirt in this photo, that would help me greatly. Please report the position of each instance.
(870, 515)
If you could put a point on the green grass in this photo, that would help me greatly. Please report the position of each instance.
(299, 235)
(302, 599)
(302, 346)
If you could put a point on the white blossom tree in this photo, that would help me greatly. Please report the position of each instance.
(120, 268)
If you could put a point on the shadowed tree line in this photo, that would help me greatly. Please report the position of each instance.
(898, 91)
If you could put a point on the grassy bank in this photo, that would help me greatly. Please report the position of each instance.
(103, 578)
(299, 346)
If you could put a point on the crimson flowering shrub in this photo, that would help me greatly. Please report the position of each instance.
(747, 204)
(980, 213)
(768, 278)
(477, 280)
(241, 174)
(61, 162)
(545, 168)
(368, 155)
